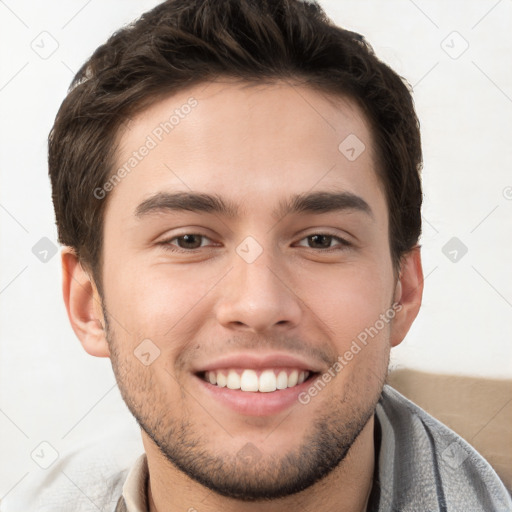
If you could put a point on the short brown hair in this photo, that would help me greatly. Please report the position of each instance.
(181, 43)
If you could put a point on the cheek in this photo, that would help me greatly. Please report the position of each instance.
(349, 299)
(156, 300)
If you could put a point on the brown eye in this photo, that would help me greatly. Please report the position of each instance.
(324, 241)
(187, 241)
(320, 241)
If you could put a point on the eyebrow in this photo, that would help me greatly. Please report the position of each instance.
(315, 202)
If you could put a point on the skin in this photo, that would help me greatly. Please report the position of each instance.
(255, 146)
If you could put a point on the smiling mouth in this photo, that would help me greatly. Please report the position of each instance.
(262, 381)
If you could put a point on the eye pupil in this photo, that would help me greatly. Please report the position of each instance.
(323, 241)
(189, 241)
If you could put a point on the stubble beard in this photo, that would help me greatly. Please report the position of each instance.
(247, 475)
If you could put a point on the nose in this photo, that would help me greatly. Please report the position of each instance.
(258, 297)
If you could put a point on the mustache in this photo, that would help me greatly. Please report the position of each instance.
(317, 351)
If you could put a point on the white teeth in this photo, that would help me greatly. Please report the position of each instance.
(268, 381)
(282, 380)
(233, 381)
(249, 381)
(221, 379)
(293, 378)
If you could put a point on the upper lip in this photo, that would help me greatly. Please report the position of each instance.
(260, 361)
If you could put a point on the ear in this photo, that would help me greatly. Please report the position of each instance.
(408, 294)
(83, 304)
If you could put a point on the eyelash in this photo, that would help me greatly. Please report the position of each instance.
(167, 245)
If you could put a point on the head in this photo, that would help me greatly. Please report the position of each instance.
(237, 187)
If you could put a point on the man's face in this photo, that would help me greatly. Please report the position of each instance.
(267, 291)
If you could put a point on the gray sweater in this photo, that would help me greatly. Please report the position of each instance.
(423, 466)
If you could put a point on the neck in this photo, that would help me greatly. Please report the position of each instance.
(345, 489)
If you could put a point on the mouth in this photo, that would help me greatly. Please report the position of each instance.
(268, 380)
(256, 384)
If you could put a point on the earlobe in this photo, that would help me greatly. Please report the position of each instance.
(408, 295)
(83, 305)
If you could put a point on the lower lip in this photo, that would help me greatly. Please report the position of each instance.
(255, 403)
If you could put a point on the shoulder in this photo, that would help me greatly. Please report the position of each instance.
(422, 464)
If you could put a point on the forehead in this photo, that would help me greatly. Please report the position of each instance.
(245, 142)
